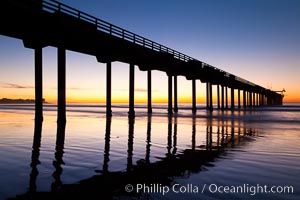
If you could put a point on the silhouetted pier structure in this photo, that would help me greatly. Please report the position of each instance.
(41, 23)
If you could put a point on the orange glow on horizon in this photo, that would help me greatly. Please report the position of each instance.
(50, 96)
(87, 99)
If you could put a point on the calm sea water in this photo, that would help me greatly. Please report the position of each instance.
(251, 154)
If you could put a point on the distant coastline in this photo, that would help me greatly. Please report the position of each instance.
(18, 101)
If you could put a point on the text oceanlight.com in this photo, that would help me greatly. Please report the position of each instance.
(209, 188)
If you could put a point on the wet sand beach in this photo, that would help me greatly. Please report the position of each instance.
(220, 155)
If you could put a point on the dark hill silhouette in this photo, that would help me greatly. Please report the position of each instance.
(18, 101)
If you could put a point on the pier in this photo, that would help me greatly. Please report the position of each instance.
(42, 23)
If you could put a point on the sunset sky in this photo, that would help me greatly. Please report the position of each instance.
(258, 40)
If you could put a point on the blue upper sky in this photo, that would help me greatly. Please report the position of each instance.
(213, 31)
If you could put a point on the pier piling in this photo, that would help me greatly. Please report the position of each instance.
(175, 95)
(194, 108)
(108, 90)
(61, 84)
(38, 58)
(149, 85)
(170, 109)
(131, 113)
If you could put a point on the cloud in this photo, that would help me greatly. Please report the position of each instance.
(136, 90)
(75, 88)
(16, 86)
(143, 90)
(140, 90)
(72, 88)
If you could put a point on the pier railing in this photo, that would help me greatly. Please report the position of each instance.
(113, 30)
(103, 26)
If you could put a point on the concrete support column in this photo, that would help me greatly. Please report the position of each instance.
(38, 62)
(232, 98)
(226, 96)
(222, 97)
(209, 105)
(61, 84)
(239, 98)
(261, 99)
(108, 90)
(244, 99)
(256, 99)
(194, 108)
(247, 99)
(250, 99)
(131, 113)
(218, 96)
(210, 97)
(207, 96)
(149, 91)
(170, 106)
(175, 95)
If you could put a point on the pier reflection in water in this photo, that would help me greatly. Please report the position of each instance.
(59, 152)
(174, 163)
(35, 156)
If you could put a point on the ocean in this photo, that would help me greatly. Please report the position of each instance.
(240, 154)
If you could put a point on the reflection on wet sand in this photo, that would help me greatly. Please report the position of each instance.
(107, 145)
(59, 152)
(148, 140)
(130, 144)
(110, 185)
(35, 155)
